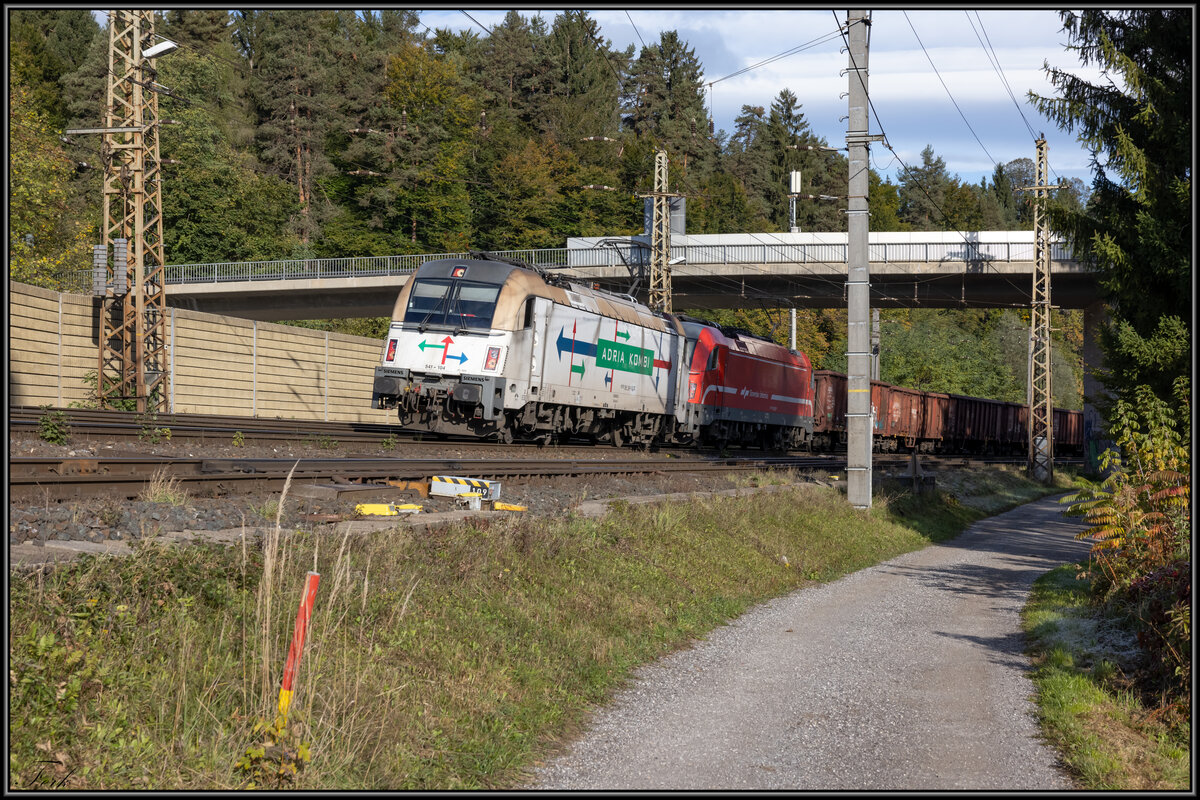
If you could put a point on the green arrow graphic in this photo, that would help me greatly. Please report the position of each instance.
(425, 344)
(623, 335)
(577, 368)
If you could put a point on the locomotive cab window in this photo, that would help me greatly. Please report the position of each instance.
(457, 304)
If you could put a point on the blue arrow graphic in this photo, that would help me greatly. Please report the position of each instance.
(608, 379)
(461, 358)
(566, 345)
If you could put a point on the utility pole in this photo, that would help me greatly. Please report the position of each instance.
(1041, 399)
(859, 418)
(660, 238)
(133, 347)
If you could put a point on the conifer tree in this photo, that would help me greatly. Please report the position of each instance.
(1136, 229)
(201, 29)
(923, 193)
(664, 105)
(510, 61)
(46, 45)
(215, 207)
(581, 82)
(291, 85)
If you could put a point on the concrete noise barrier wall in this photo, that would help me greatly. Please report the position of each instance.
(219, 365)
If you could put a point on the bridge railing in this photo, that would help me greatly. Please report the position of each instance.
(612, 255)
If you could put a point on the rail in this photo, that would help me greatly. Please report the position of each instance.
(613, 255)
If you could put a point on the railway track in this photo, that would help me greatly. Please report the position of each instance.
(33, 479)
(130, 425)
(55, 479)
(37, 479)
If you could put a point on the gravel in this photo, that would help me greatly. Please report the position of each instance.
(99, 520)
(909, 675)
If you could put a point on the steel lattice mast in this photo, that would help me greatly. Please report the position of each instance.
(1041, 398)
(660, 239)
(133, 348)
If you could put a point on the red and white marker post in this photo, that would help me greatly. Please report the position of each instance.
(303, 617)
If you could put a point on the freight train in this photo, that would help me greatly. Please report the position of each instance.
(493, 348)
(907, 420)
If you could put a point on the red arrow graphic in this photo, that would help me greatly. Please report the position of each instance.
(573, 326)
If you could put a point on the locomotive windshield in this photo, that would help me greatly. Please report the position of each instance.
(447, 303)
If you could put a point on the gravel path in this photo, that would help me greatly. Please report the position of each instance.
(905, 676)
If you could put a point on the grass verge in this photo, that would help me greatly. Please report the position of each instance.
(1084, 663)
(448, 659)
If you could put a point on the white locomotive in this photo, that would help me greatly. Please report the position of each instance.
(491, 348)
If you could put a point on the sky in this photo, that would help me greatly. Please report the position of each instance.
(908, 97)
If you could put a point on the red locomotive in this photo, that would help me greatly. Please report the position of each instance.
(749, 390)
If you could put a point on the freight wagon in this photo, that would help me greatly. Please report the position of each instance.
(934, 422)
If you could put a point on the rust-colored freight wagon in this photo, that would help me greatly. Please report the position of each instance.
(1068, 432)
(899, 418)
(935, 417)
(1013, 431)
(929, 422)
(974, 424)
(829, 404)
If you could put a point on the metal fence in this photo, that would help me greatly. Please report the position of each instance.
(612, 254)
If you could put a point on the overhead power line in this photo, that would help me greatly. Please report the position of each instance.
(947, 88)
(635, 30)
(908, 170)
(798, 48)
(477, 22)
(990, 52)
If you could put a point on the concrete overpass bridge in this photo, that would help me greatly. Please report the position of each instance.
(749, 270)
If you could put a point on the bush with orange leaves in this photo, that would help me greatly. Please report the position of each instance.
(1140, 520)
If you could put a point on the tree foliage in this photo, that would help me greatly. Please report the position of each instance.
(44, 237)
(337, 133)
(1135, 230)
(46, 45)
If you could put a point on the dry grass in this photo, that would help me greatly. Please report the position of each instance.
(164, 488)
(448, 659)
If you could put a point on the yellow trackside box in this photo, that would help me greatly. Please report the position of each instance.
(449, 486)
(385, 509)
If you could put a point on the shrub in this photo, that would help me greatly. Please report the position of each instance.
(1140, 519)
(1162, 602)
(53, 426)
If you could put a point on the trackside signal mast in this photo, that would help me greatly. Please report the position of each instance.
(133, 358)
(1041, 399)
(660, 238)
